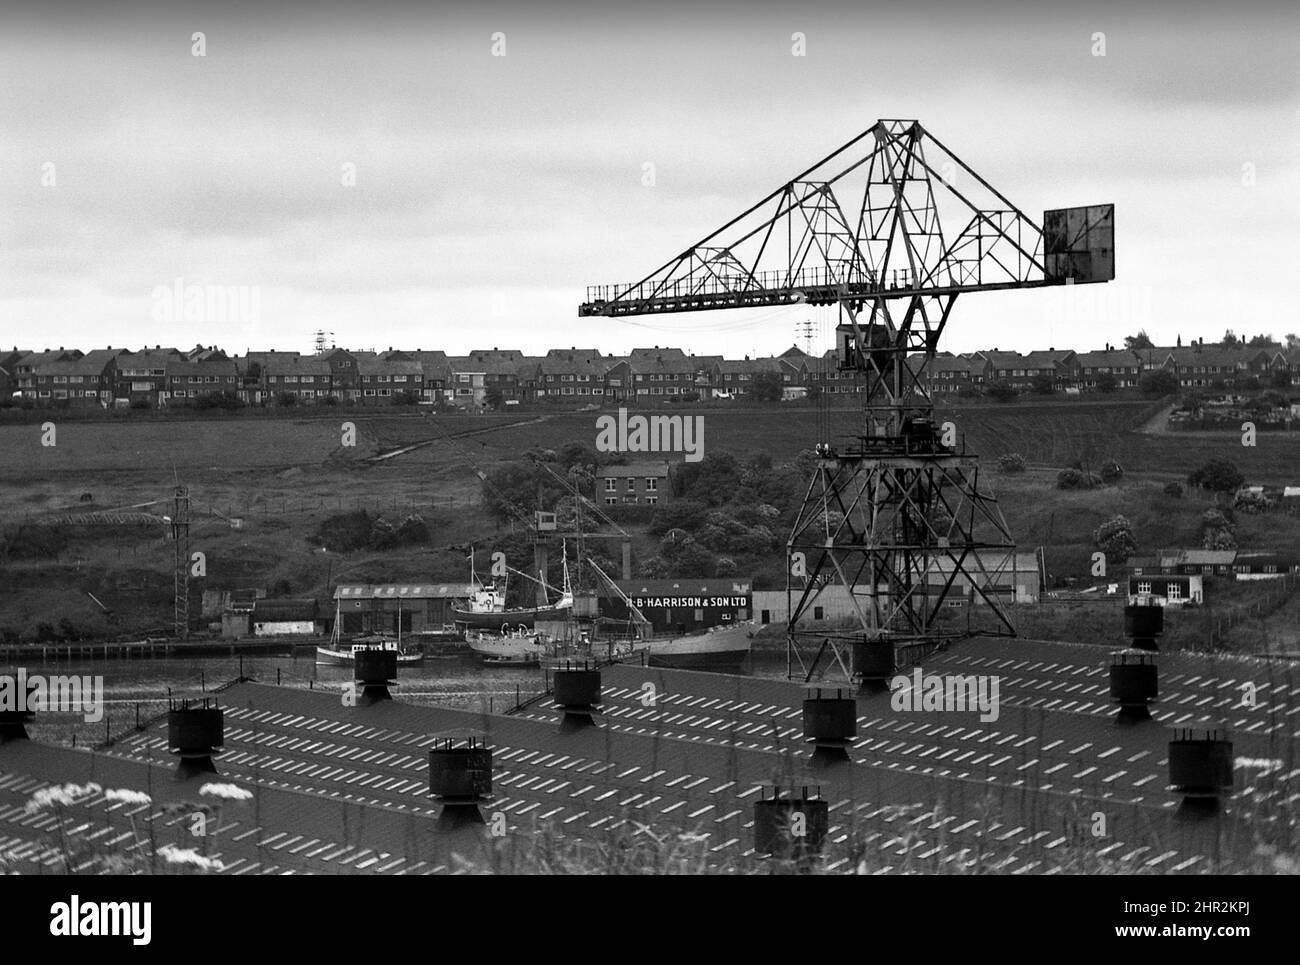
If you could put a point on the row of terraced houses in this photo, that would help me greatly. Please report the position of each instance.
(155, 377)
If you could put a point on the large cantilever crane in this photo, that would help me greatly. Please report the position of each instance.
(896, 517)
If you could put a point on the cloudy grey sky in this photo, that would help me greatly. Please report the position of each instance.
(490, 190)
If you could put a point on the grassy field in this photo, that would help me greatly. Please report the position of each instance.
(281, 478)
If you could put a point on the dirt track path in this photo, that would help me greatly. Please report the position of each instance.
(463, 434)
(1158, 424)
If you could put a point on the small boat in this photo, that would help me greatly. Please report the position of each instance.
(342, 652)
(517, 647)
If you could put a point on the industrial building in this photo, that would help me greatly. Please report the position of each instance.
(385, 608)
(281, 618)
(1169, 589)
(682, 606)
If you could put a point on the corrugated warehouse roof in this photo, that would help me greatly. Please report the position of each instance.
(412, 591)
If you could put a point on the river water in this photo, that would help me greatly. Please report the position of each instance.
(139, 689)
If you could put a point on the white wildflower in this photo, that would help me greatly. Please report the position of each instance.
(230, 792)
(127, 796)
(1258, 764)
(188, 856)
(62, 795)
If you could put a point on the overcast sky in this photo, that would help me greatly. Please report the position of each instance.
(490, 190)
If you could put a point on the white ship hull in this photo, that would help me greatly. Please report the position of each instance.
(719, 648)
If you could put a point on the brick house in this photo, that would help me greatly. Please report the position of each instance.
(74, 380)
(384, 380)
(736, 376)
(947, 375)
(141, 377)
(572, 373)
(308, 377)
(663, 372)
(639, 483)
(188, 380)
(1200, 365)
(1124, 364)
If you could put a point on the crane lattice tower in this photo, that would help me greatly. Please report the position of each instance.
(895, 524)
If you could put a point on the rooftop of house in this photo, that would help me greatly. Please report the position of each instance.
(646, 468)
(1112, 358)
(213, 366)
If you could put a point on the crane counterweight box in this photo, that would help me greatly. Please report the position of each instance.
(1079, 243)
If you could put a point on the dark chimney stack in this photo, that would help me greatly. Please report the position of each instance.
(195, 734)
(13, 723)
(1133, 684)
(374, 669)
(577, 693)
(873, 664)
(790, 827)
(830, 721)
(460, 777)
(1143, 623)
(1200, 769)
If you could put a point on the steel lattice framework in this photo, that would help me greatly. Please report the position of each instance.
(180, 534)
(897, 518)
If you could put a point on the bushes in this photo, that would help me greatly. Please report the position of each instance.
(1217, 530)
(1158, 382)
(1111, 472)
(1217, 475)
(1174, 489)
(359, 530)
(1075, 479)
(227, 401)
(1253, 502)
(1001, 391)
(1011, 462)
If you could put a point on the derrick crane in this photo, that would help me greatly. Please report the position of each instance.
(896, 516)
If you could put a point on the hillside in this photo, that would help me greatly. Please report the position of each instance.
(282, 479)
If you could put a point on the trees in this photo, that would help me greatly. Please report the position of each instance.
(1217, 475)
(1140, 340)
(1263, 341)
(1106, 382)
(766, 387)
(494, 397)
(514, 489)
(1230, 339)
(1115, 538)
(1158, 382)
(1280, 379)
